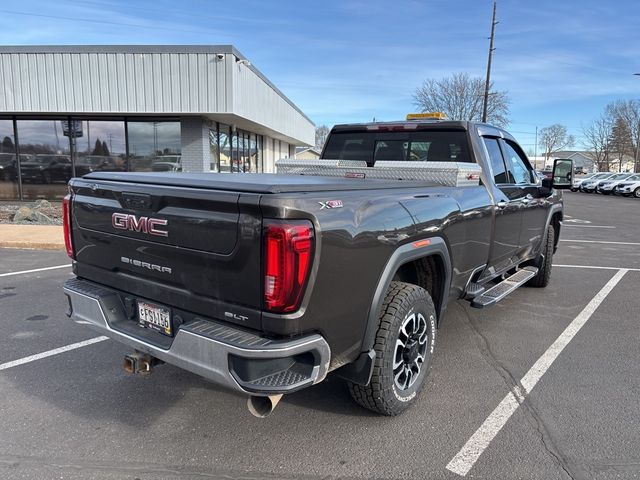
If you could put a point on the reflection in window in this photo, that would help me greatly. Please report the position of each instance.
(98, 146)
(45, 160)
(214, 147)
(154, 146)
(497, 163)
(225, 148)
(8, 164)
(516, 165)
(253, 153)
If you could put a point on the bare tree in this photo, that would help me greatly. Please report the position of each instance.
(597, 140)
(554, 138)
(321, 136)
(460, 96)
(626, 117)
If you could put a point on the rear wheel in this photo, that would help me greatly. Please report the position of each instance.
(403, 346)
(544, 261)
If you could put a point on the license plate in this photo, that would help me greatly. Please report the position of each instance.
(155, 317)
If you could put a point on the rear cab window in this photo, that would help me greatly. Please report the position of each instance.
(410, 146)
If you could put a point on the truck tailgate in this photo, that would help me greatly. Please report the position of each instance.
(191, 248)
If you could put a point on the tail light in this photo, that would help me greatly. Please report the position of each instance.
(288, 253)
(66, 222)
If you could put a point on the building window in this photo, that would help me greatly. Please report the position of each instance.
(8, 164)
(45, 160)
(214, 147)
(154, 146)
(225, 148)
(98, 146)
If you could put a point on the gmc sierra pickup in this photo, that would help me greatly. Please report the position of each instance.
(265, 283)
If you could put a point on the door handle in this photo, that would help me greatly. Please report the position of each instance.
(502, 204)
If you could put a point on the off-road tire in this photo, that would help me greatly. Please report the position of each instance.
(382, 395)
(545, 261)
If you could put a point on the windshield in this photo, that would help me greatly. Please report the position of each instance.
(425, 146)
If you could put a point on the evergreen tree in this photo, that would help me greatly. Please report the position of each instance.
(97, 149)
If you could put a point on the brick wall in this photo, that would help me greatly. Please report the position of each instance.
(196, 153)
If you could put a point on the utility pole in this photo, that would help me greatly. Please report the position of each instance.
(488, 81)
(535, 147)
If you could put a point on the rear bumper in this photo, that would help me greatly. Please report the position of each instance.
(234, 358)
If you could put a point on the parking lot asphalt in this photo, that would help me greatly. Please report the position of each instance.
(77, 415)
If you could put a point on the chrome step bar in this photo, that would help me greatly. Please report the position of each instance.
(504, 288)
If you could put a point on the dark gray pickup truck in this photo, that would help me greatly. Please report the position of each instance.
(265, 283)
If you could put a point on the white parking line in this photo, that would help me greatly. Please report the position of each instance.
(55, 351)
(586, 226)
(595, 267)
(466, 458)
(34, 270)
(597, 241)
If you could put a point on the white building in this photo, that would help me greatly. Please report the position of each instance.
(66, 110)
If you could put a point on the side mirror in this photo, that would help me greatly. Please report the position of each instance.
(562, 174)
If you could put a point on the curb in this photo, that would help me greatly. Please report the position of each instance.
(31, 245)
(33, 237)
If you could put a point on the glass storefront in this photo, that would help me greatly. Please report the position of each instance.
(99, 145)
(235, 151)
(53, 150)
(45, 158)
(8, 164)
(224, 137)
(154, 146)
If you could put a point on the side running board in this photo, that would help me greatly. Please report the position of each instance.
(504, 288)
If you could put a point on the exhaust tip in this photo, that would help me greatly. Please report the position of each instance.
(261, 407)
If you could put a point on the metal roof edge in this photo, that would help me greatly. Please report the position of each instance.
(227, 49)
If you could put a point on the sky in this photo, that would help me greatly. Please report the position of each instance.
(354, 60)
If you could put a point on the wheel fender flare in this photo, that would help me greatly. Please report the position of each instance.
(404, 254)
(557, 208)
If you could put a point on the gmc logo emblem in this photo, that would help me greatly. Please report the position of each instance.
(125, 221)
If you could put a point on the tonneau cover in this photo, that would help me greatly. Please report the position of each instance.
(252, 182)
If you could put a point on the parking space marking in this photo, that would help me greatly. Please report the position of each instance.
(34, 270)
(49, 353)
(597, 241)
(586, 226)
(595, 267)
(466, 458)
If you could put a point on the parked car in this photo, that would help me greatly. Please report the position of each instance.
(630, 186)
(608, 186)
(8, 168)
(46, 168)
(589, 185)
(577, 180)
(265, 283)
(167, 163)
(98, 163)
